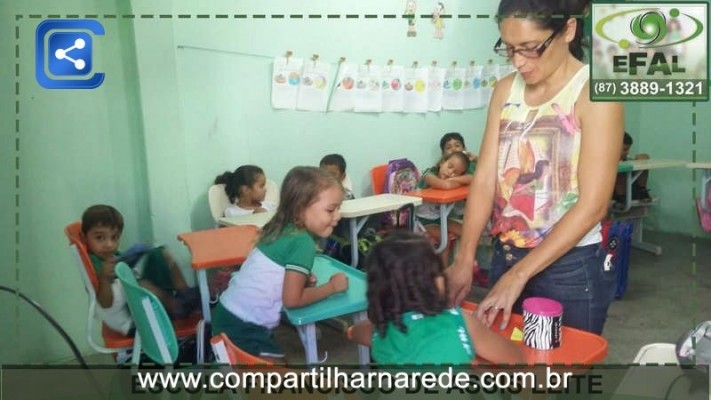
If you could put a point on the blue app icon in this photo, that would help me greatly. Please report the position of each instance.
(64, 54)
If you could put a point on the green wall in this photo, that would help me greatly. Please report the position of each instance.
(169, 117)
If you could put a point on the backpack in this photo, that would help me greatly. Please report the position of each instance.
(401, 177)
(617, 241)
(694, 347)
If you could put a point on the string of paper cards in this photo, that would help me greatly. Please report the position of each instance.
(299, 84)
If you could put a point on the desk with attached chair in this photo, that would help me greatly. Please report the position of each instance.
(220, 247)
(114, 342)
(446, 200)
(636, 210)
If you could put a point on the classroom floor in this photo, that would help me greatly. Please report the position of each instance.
(660, 304)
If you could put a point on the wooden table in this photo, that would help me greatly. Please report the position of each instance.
(446, 200)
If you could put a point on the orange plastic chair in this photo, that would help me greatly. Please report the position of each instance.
(227, 352)
(114, 342)
(377, 178)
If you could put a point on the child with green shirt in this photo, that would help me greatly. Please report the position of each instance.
(409, 321)
(277, 273)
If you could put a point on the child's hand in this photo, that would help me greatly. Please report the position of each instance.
(472, 157)
(339, 282)
(107, 269)
(311, 280)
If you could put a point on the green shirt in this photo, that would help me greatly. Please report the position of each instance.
(294, 250)
(436, 339)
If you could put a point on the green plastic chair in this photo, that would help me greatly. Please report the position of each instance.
(154, 330)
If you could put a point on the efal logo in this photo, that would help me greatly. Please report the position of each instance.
(650, 28)
(64, 50)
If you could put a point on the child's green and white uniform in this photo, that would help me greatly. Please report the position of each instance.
(250, 307)
(435, 339)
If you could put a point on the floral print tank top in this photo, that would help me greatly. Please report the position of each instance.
(539, 149)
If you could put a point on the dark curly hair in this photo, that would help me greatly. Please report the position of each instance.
(402, 271)
(246, 175)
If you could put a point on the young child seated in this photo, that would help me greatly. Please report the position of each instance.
(101, 228)
(454, 142)
(277, 272)
(336, 165)
(639, 186)
(246, 188)
(448, 173)
(409, 321)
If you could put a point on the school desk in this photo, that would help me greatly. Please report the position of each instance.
(446, 200)
(352, 301)
(257, 219)
(705, 182)
(220, 247)
(577, 347)
(358, 210)
(633, 169)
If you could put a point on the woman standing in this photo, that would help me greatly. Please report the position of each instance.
(545, 174)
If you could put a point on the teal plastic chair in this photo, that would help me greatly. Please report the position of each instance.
(154, 330)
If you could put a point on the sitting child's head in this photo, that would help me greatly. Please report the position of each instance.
(334, 164)
(451, 165)
(310, 199)
(626, 145)
(101, 228)
(247, 183)
(404, 274)
(452, 142)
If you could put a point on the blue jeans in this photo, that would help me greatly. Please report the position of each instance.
(577, 280)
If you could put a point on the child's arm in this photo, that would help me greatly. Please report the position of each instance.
(105, 294)
(362, 333)
(436, 182)
(296, 294)
(463, 180)
(489, 345)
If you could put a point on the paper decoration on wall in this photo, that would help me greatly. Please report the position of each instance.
(393, 92)
(368, 96)
(436, 82)
(472, 87)
(415, 86)
(488, 80)
(314, 86)
(410, 10)
(342, 99)
(438, 21)
(453, 89)
(285, 82)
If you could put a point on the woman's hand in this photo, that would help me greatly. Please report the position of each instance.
(501, 298)
(459, 279)
(338, 282)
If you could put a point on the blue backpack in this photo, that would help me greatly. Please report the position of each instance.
(401, 177)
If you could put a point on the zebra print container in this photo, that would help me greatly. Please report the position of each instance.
(542, 321)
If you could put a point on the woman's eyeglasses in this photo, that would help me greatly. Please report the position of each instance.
(507, 51)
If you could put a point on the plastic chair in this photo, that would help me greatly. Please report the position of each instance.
(218, 201)
(227, 352)
(154, 330)
(114, 342)
(377, 178)
(272, 195)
